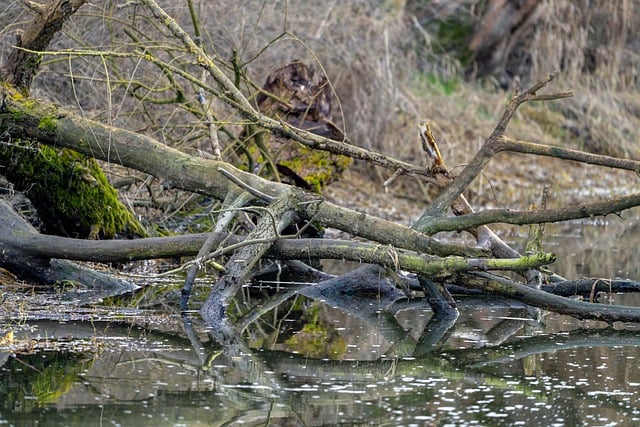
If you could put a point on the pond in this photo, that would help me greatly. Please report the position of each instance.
(303, 361)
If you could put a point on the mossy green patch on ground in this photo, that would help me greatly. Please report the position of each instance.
(315, 167)
(47, 124)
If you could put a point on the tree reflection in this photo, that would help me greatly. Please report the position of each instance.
(253, 371)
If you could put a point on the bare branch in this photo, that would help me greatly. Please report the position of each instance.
(518, 146)
(22, 66)
(613, 205)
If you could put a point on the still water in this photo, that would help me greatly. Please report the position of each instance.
(305, 362)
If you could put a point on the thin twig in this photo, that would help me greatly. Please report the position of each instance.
(259, 194)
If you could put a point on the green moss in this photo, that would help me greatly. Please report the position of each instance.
(69, 191)
(453, 33)
(48, 124)
(450, 37)
(317, 168)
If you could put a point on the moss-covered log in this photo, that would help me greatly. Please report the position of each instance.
(69, 190)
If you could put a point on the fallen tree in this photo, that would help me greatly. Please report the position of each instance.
(392, 248)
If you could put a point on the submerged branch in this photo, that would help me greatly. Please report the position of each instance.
(582, 310)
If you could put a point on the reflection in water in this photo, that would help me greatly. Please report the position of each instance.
(383, 360)
(125, 376)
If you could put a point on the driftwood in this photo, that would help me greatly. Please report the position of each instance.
(393, 248)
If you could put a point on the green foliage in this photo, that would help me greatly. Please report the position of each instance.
(453, 33)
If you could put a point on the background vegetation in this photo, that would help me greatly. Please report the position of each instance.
(392, 64)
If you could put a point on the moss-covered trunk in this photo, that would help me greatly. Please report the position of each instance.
(69, 191)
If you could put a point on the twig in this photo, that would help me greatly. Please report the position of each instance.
(239, 265)
(259, 194)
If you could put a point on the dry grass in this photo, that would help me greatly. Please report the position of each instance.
(595, 45)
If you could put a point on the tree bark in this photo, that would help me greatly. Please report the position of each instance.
(22, 64)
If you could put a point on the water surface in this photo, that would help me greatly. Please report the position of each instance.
(304, 362)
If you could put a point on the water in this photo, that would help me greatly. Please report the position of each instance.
(304, 362)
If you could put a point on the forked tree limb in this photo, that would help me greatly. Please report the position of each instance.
(433, 217)
(275, 218)
(441, 204)
(22, 65)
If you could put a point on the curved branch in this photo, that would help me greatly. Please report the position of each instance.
(24, 241)
(613, 205)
